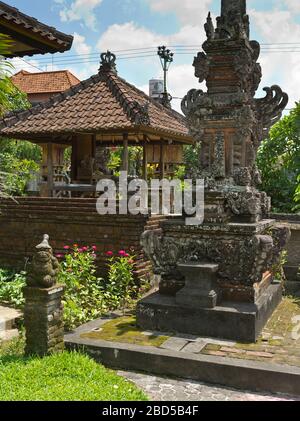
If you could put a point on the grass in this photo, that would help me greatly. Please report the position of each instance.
(124, 329)
(69, 376)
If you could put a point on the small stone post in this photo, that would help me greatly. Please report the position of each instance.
(43, 307)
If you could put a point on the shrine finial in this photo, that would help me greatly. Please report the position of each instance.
(233, 7)
(108, 62)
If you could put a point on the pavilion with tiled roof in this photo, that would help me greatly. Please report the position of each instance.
(103, 110)
(29, 36)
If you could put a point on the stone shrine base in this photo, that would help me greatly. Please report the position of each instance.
(236, 321)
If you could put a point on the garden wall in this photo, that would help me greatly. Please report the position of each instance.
(293, 259)
(68, 221)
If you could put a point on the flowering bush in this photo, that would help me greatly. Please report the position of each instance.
(83, 298)
(121, 287)
(88, 296)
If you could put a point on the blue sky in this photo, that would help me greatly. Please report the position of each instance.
(127, 24)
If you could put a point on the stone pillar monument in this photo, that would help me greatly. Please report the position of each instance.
(217, 278)
(43, 307)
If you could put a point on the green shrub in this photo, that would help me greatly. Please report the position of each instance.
(83, 298)
(87, 296)
(11, 285)
(121, 287)
(279, 162)
(61, 377)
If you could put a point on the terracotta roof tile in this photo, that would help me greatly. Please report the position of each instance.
(103, 102)
(44, 82)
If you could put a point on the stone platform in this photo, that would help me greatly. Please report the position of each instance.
(271, 364)
(236, 321)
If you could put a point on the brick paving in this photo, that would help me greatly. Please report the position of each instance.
(166, 389)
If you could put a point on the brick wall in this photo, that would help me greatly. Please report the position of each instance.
(68, 221)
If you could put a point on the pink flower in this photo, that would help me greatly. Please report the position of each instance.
(122, 252)
(126, 255)
(131, 262)
(94, 256)
(94, 248)
(109, 253)
(59, 256)
(80, 250)
(66, 247)
(84, 248)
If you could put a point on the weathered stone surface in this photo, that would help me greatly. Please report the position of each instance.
(229, 125)
(200, 285)
(43, 312)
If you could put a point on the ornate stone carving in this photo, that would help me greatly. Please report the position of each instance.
(201, 66)
(108, 62)
(43, 270)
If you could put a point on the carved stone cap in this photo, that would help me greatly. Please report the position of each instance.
(44, 244)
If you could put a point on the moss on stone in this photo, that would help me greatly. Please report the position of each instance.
(124, 329)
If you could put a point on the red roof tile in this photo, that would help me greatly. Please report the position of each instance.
(103, 103)
(44, 82)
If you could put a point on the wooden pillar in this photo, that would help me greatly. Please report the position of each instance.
(125, 165)
(145, 159)
(162, 160)
(50, 169)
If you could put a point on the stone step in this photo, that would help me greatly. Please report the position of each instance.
(8, 335)
(8, 318)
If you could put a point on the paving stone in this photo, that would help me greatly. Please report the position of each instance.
(165, 389)
(232, 350)
(194, 347)
(174, 344)
(214, 341)
(260, 354)
(217, 353)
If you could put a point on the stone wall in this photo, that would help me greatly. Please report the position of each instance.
(68, 221)
(293, 259)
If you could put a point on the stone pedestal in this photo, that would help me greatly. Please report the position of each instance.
(200, 284)
(43, 320)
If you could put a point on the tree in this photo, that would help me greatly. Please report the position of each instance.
(279, 162)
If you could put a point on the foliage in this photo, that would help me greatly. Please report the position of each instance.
(87, 296)
(16, 173)
(83, 298)
(60, 377)
(279, 162)
(120, 288)
(297, 196)
(191, 160)
(6, 86)
(11, 285)
(277, 269)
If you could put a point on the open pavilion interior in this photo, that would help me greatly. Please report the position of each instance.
(101, 114)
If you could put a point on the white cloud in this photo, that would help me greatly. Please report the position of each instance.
(293, 5)
(81, 10)
(80, 46)
(279, 68)
(130, 35)
(189, 12)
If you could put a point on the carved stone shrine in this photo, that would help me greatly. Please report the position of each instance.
(43, 313)
(217, 279)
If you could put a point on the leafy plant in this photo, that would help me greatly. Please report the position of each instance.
(121, 287)
(16, 173)
(11, 285)
(83, 298)
(279, 162)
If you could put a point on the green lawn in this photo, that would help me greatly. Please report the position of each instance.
(62, 377)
